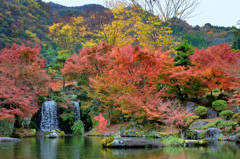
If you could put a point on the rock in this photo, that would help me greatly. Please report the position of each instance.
(130, 133)
(198, 124)
(6, 127)
(213, 133)
(126, 142)
(231, 138)
(223, 138)
(211, 113)
(237, 138)
(195, 132)
(190, 107)
(54, 134)
(236, 110)
(157, 135)
(109, 133)
(24, 122)
(191, 143)
(40, 133)
(9, 139)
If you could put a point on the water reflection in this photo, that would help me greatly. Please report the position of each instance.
(89, 148)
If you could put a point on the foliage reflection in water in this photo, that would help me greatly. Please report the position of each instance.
(89, 148)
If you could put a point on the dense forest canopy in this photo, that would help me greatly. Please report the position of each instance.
(126, 60)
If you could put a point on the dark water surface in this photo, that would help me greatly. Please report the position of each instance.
(89, 148)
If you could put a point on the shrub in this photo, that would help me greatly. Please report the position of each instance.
(219, 105)
(173, 141)
(226, 114)
(236, 117)
(78, 128)
(219, 123)
(201, 112)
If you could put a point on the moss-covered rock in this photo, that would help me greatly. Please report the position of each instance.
(191, 143)
(54, 133)
(126, 142)
(107, 142)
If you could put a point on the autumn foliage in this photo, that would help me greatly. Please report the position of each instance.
(138, 81)
(102, 123)
(22, 78)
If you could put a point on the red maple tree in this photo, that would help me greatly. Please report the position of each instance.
(22, 78)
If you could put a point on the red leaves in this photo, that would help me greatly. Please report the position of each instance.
(213, 62)
(102, 123)
(21, 78)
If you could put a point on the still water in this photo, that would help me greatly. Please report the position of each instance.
(89, 148)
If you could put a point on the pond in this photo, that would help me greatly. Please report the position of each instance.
(90, 148)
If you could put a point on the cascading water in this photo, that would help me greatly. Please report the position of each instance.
(77, 110)
(49, 116)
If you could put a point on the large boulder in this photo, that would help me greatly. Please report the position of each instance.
(125, 142)
(9, 139)
(195, 131)
(190, 107)
(6, 127)
(211, 113)
(198, 125)
(213, 134)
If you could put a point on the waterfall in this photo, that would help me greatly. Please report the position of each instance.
(76, 110)
(49, 116)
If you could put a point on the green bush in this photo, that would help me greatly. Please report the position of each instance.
(201, 112)
(226, 126)
(236, 117)
(78, 128)
(226, 114)
(173, 141)
(219, 105)
(219, 123)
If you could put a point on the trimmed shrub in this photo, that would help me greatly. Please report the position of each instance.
(236, 117)
(201, 111)
(226, 114)
(219, 105)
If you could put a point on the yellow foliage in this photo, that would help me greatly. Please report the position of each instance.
(133, 25)
(70, 34)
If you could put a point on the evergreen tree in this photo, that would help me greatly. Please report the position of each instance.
(184, 50)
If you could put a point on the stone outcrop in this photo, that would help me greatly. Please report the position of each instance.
(198, 124)
(54, 134)
(125, 142)
(9, 139)
(236, 110)
(190, 107)
(211, 113)
(213, 133)
(191, 143)
(195, 130)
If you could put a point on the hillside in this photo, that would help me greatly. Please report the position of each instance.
(29, 20)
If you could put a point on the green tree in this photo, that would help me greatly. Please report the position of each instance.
(184, 50)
